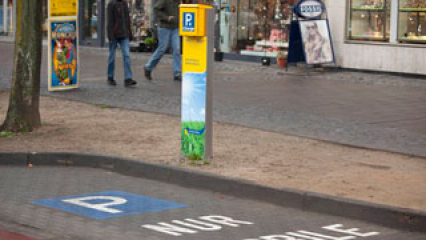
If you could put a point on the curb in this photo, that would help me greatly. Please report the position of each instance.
(400, 218)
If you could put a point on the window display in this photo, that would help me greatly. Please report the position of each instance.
(369, 20)
(255, 27)
(412, 21)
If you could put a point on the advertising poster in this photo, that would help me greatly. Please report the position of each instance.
(63, 54)
(316, 41)
(63, 8)
(194, 95)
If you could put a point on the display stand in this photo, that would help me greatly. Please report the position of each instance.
(310, 40)
(63, 47)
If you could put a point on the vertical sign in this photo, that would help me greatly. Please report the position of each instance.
(63, 60)
(196, 27)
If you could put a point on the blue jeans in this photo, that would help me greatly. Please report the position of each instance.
(124, 44)
(166, 37)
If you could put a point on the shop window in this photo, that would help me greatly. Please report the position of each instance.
(369, 20)
(412, 21)
(255, 27)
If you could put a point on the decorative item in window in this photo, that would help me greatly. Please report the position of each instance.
(369, 20)
(412, 21)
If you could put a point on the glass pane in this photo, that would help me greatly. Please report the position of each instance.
(90, 20)
(412, 21)
(9, 18)
(369, 20)
(140, 18)
(1, 17)
(45, 19)
(263, 27)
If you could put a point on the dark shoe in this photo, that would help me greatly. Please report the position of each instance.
(129, 82)
(112, 82)
(177, 77)
(147, 73)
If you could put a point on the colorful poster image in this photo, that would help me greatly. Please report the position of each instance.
(63, 8)
(316, 41)
(193, 115)
(63, 54)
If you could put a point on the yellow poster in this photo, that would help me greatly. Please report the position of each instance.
(59, 8)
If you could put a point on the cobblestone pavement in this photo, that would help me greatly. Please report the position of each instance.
(378, 111)
(21, 213)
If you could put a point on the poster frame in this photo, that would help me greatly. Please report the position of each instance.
(329, 38)
(50, 60)
(296, 36)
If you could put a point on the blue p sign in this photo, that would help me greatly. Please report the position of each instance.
(189, 22)
(105, 205)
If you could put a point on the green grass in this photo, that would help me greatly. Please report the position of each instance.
(103, 106)
(6, 134)
(192, 146)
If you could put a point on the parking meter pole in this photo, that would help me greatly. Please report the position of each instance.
(197, 30)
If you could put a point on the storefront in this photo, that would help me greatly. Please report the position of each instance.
(379, 35)
(254, 27)
(92, 19)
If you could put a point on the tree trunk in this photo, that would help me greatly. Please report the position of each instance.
(23, 113)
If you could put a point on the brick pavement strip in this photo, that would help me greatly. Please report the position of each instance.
(5, 235)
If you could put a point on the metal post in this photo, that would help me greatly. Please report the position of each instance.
(394, 21)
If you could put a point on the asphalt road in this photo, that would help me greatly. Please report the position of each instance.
(50, 203)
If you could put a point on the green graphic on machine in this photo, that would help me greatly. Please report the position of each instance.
(193, 115)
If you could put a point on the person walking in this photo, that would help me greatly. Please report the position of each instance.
(167, 14)
(119, 32)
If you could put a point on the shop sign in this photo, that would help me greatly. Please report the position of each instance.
(60, 8)
(310, 9)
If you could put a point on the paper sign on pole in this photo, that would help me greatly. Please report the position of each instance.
(60, 8)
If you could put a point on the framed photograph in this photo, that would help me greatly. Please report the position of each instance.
(316, 42)
(63, 54)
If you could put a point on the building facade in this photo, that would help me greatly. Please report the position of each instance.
(378, 35)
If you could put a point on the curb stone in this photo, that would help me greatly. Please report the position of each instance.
(399, 218)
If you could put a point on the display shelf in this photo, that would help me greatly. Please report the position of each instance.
(259, 54)
(264, 43)
(412, 9)
(368, 38)
(421, 39)
(368, 9)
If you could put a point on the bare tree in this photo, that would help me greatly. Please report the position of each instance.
(23, 113)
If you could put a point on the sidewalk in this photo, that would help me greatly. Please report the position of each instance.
(351, 108)
(366, 110)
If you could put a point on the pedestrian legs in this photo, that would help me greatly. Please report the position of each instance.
(177, 58)
(111, 59)
(163, 38)
(124, 44)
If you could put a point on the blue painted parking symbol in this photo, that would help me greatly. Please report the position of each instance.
(105, 205)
